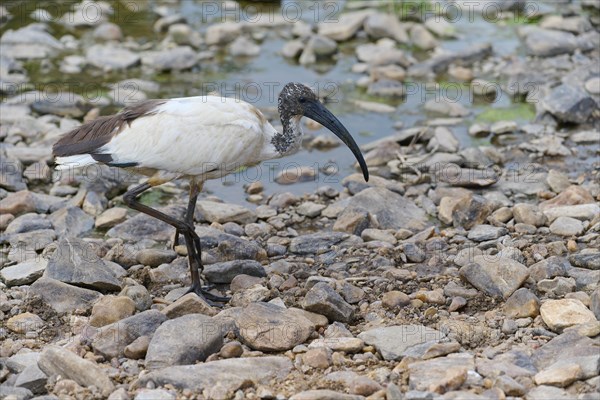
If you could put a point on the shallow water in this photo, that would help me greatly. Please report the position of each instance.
(259, 79)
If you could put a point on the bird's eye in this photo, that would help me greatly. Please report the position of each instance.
(302, 100)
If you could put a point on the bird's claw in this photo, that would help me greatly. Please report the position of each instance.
(211, 299)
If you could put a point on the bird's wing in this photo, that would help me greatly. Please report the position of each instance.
(88, 137)
(191, 136)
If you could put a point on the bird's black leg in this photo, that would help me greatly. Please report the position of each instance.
(195, 190)
(192, 240)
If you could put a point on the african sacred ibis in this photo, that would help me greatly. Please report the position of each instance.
(197, 138)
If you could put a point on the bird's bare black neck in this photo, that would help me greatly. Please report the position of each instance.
(288, 141)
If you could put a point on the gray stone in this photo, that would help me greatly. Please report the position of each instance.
(393, 211)
(140, 296)
(386, 88)
(549, 268)
(225, 212)
(155, 394)
(56, 360)
(71, 222)
(393, 342)
(229, 247)
(355, 383)
(63, 297)
(316, 243)
(322, 46)
(176, 58)
(528, 214)
(446, 107)
(310, 209)
(267, 327)
(32, 378)
(583, 212)
(325, 394)
(523, 303)
(23, 273)
(345, 27)
(110, 340)
(225, 272)
(440, 374)
(16, 393)
(544, 392)
(28, 222)
(223, 33)
(323, 299)
(556, 287)
(143, 226)
(110, 57)
(566, 226)
(155, 257)
(23, 359)
(169, 347)
(595, 303)
(244, 47)
(570, 104)
(225, 376)
(75, 262)
(482, 233)
(587, 280)
(495, 276)
(380, 25)
(547, 42)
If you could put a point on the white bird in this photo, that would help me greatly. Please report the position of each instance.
(197, 138)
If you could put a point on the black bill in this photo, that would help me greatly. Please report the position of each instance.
(317, 111)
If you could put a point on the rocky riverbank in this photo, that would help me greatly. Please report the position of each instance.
(466, 268)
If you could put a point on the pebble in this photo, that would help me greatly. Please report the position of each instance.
(528, 214)
(231, 350)
(482, 233)
(137, 349)
(319, 358)
(339, 343)
(155, 257)
(62, 297)
(395, 299)
(26, 322)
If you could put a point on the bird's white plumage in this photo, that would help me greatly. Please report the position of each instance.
(192, 136)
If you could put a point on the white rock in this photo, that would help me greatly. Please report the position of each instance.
(563, 313)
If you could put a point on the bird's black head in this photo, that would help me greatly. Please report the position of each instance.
(297, 100)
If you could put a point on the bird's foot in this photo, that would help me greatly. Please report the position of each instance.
(212, 299)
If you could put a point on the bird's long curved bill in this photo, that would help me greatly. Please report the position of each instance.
(317, 111)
